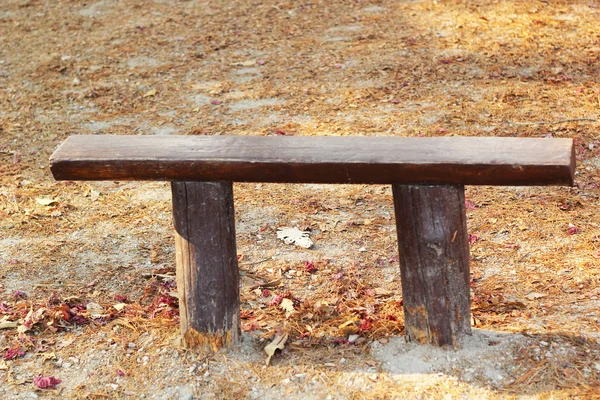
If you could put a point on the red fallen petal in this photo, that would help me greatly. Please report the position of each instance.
(121, 299)
(48, 382)
(365, 325)
(276, 300)
(473, 238)
(309, 266)
(469, 205)
(11, 354)
(338, 275)
(19, 294)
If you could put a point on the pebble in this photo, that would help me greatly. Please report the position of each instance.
(353, 338)
(186, 393)
(255, 395)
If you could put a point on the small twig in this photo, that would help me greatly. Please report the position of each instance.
(267, 285)
(524, 257)
(561, 121)
(164, 276)
(257, 262)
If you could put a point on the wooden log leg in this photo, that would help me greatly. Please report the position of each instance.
(207, 270)
(434, 262)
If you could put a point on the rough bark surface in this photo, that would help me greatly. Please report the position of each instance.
(207, 270)
(434, 262)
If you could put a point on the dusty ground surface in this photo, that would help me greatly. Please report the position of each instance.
(86, 293)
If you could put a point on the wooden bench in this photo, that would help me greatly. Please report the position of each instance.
(427, 177)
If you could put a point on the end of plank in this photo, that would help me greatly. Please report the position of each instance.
(573, 164)
(56, 161)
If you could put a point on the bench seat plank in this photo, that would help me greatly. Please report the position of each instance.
(311, 159)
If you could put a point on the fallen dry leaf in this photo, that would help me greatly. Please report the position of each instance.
(95, 310)
(278, 343)
(288, 306)
(294, 236)
(31, 319)
(45, 202)
(248, 63)
(6, 324)
(534, 296)
(48, 356)
(381, 292)
(119, 306)
(150, 93)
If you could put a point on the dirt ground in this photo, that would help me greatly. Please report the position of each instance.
(86, 269)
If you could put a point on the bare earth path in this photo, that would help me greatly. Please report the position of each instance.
(86, 287)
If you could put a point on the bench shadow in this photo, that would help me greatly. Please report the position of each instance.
(488, 363)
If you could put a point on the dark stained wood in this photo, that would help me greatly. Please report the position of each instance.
(207, 270)
(434, 262)
(441, 160)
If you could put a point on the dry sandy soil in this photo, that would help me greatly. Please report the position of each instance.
(86, 288)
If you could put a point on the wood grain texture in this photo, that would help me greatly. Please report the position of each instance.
(206, 258)
(455, 160)
(434, 262)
